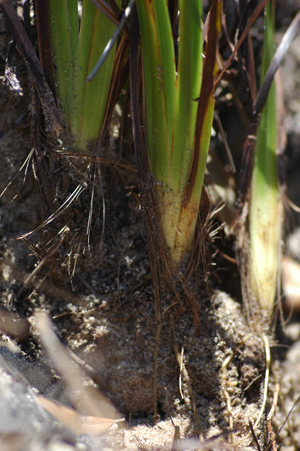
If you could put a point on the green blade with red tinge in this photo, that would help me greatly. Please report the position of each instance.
(177, 152)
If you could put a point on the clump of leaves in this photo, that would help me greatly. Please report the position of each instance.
(179, 107)
(76, 46)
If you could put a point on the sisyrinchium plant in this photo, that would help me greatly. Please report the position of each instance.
(260, 244)
(179, 107)
(77, 43)
(265, 215)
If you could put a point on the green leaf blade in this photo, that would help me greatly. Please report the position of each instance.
(159, 79)
(265, 208)
(64, 31)
(90, 98)
(188, 88)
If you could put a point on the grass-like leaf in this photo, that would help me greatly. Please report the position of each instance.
(64, 36)
(265, 204)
